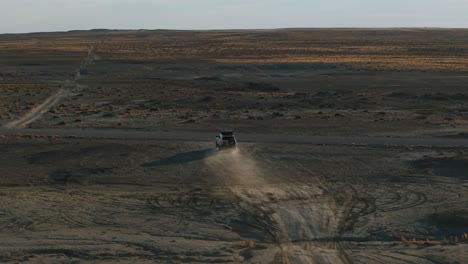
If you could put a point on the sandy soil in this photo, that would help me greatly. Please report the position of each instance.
(355, 147)
(103, 200)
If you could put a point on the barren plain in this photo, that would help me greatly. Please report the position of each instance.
(352, 146)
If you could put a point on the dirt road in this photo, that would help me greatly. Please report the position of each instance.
(37, 112)
(65, 91)
(261, 138)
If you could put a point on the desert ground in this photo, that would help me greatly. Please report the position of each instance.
(353, 146)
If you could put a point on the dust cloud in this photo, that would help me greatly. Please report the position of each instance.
(234, 168)
(301, 213)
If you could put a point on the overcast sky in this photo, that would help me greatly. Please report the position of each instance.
(59, 15)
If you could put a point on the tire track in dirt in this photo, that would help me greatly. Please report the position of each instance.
(394, 200)
(71, 208)
(393, 257)
(290, 213)
(301, 218)
(65, 91)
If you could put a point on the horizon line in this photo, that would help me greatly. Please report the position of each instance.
(237, 29)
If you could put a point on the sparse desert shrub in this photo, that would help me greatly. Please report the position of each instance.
(245, 244)
(108, 115)
(463, 238)
(207, 98)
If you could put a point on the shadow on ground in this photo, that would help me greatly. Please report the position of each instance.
(182, 158)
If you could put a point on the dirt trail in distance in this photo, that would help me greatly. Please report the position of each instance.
(63, 92)
(295, 215)
(38, 111)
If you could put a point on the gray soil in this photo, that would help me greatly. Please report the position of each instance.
(100, 200)
(358, 154)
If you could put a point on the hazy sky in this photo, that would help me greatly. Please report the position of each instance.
(59, 15)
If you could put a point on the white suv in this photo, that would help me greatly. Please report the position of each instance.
(225, 139)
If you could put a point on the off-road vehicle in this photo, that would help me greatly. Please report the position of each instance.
(226, 140)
